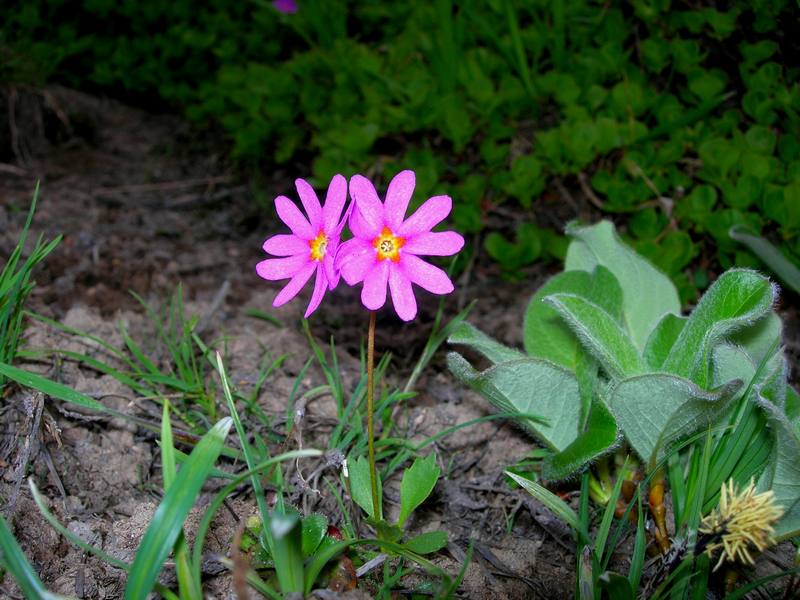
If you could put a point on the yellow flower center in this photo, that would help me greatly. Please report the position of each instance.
(319, 246)
(388, 245)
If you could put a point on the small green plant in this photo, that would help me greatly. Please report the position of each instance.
(612, 364)
(15, 286)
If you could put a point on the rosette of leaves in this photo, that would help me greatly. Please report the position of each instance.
(609, 357)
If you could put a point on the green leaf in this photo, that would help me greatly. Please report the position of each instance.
(657, 409)
(287, 547)
(529, 386)
(496, 352)
(599, 436)
(616, 586)
(361, 486)
(560, 508)
(52, 389)
(662, 339)
(777, 262)
(428, 542)
(737, 299)
(783, 473)
(546, 335)
(600, 334)
(168, 520)
(314, 528)
(647, 294)
(417, 484)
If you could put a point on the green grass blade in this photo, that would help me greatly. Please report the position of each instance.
(560, 508)
(639, 547)
(15, 561)
(608, 519)
(168, 520)
(786, 271)
(53, 389)
(216, 503)
(72, 537)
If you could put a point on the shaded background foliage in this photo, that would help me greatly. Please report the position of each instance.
(681, 118)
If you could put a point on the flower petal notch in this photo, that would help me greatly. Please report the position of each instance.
(311, 246)
(386, 246)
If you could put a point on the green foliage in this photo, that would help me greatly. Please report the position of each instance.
(686, 119)
(15, 286)
(721, 366)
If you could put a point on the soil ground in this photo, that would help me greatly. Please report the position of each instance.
(144, 206)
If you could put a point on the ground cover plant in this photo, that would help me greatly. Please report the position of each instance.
(684, 118)
(693, 403)
(191, 411)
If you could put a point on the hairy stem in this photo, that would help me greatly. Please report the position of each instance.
(373, 472)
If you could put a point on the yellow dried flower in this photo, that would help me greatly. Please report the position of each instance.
(743, 520)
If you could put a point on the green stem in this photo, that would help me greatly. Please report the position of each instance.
(373, 472)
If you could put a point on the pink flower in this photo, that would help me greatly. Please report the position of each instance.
(287, 7)
(311, 247)
(385, 249)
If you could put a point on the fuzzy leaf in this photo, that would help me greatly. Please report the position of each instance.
(417, 484)
(545, 333)
(661, 340)
(599, 437)
(600, 334)
(530, 386)
(737, 299)
(647, 294)
(783, 473)
(656, 409)
(761, 338)
(493, 350)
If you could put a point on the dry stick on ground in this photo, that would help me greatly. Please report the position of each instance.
(588, 191)
(34, 405)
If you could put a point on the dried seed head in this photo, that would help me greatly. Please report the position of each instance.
(743, 520)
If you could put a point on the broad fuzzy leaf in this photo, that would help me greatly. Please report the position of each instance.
(783, 473)
(771, 256)
(417, 484)
(600, 436)
(656, 409)
(496, 352)
(647, 294)
(530, 386)
(546, 335)
(600, 334)
(661, 340)
(737, 299)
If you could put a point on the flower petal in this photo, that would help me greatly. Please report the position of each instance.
(373, 294)
(354, 260)
(320, 285)
(405, 304)
(310, 202)
(295, 284)
(401, 187)
(334, 203)
(367, 203)
(425, 275)
(427, 216)
(430, 243)
(285, 245)
(294, 219)
(282, 268)
(360, 227)
(331, 273)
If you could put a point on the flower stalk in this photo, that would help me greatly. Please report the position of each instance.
(373, 471)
